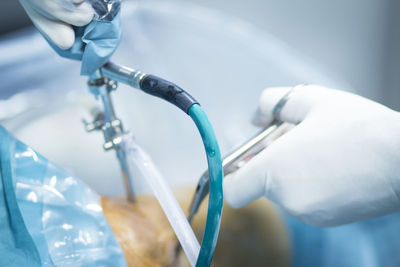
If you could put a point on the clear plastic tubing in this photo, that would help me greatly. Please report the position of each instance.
(165, 197)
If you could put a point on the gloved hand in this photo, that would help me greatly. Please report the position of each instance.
(55, 21)
(340, 164)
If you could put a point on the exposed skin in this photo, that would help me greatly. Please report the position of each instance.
(142, 231)
(251, 236)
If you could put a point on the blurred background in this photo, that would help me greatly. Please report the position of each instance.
(224, 52)
(358, 40)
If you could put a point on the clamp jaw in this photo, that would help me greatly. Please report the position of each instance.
(107, 122)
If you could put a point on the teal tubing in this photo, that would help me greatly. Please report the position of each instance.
(215, 201)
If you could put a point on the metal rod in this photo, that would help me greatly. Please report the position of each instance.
(113, 131)
(123, 74)
(251, 143)
(126, 174)
(111, 126)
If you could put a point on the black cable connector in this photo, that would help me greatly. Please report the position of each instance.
(168, 91)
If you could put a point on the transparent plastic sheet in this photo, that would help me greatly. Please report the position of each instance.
(62, 214)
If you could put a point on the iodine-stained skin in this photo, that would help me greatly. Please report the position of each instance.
(142, 231)
(251, 236)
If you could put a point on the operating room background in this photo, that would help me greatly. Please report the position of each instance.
(225, 64)
(358, 40)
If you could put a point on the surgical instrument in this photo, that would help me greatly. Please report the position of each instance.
(104, 81)
(110, 125)
(244, 153)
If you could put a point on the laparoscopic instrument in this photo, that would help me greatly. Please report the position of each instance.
(93, 45)
(103, 82)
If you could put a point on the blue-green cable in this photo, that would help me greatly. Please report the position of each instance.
(215, 201)
(174, 94)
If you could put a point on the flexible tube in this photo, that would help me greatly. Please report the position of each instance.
(174, 94)
(215, 201)
(165, 197)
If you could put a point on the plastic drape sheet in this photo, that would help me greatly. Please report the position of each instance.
(59, 213)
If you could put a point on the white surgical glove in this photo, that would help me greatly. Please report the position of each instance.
(55, 21)
(340, 164)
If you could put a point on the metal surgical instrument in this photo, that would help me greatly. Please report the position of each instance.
(106, 121)
(241, 155)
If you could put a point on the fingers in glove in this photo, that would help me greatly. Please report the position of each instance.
(294, 110)
(261, 176)
(245, 185)
(60, 33)
(80, 16)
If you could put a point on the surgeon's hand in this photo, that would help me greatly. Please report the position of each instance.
(55, 21)
(340, 164)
